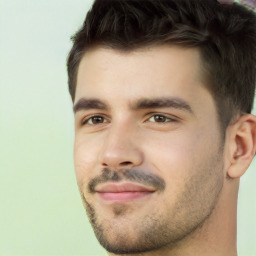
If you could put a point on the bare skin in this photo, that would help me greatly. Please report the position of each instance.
(155, 174)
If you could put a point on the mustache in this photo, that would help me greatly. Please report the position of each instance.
(133, 175)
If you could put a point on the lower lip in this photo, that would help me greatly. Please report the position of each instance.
(123, 196)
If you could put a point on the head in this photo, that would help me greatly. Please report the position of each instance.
(224, 34)
(162, 94)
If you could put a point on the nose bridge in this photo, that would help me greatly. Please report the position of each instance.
(121, 146)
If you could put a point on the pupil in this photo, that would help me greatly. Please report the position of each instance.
(159, 118)
(97, 119)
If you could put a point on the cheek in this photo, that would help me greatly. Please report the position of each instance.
(175, 154)
(179, 157)
(85, 156)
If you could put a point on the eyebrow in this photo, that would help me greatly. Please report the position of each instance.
(86, 104)
(173, 102)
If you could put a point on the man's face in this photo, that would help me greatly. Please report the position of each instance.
(148, 150)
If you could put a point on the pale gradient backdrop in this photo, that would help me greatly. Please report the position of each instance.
(41, 213)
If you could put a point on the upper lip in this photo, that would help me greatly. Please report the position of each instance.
(122, 187)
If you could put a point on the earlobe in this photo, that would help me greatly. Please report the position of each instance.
(242, 145)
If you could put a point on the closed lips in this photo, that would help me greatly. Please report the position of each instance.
(122, 187)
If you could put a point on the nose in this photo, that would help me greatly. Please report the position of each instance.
(121, 149)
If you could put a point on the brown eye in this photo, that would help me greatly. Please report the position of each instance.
(94, 120)
(97, 120)
(159, 119)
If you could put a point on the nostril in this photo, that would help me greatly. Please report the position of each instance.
(125, 163)
(116, 158)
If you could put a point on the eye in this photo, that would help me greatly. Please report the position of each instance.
(94, 120)
(160, 119)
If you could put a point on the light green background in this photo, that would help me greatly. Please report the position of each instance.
(41, 213)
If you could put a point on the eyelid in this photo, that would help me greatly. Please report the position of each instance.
(167, 119)
(172, 118)
(85, 120)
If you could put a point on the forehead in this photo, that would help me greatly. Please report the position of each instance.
(155, 71)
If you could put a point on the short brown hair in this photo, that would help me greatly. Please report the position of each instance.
(225, 34)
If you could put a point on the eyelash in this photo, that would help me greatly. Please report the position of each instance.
(167, 119)
(86, 120)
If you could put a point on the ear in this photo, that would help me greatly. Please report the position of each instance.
(241, 145)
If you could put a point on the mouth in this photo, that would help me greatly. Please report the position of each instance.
(122, 192)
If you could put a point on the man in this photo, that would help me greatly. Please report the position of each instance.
(162, 93)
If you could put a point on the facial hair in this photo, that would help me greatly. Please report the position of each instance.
(158, 228)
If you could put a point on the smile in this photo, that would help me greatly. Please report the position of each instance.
(124, 192)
